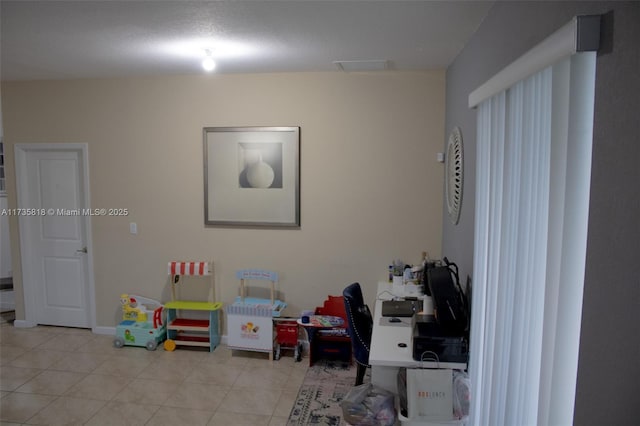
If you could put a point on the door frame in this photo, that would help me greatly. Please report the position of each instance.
(21, 151)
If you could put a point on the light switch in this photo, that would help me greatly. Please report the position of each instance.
(133, 228)
(440, 157)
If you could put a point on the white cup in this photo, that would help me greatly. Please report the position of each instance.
(427, 305)
(398, 286)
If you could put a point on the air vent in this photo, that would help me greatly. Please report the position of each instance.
(368, 65)
(454, 175)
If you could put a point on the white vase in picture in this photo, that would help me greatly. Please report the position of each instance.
(260, 174)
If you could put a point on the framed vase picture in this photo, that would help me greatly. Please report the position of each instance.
(252, 176)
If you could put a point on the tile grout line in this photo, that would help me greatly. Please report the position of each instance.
(90, 345)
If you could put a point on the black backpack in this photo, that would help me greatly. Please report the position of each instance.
(449, 301)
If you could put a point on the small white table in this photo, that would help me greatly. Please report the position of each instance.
(387, 354)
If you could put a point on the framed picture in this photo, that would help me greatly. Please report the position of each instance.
(252, 176)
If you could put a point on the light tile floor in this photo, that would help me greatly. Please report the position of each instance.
(56, 375)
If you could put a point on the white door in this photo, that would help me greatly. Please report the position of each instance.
(54, 225)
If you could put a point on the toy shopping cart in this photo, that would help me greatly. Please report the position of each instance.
(287, 338)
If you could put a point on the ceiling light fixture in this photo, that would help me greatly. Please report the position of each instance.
(208, 63)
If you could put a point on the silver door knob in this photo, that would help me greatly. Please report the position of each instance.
(83, 250)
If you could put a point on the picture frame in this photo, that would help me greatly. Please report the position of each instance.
(252, 176)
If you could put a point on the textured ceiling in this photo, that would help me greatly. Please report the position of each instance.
(89, 39)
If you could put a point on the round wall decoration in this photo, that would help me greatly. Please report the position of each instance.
(454, 174)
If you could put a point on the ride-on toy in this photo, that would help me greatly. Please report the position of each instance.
(142, 323)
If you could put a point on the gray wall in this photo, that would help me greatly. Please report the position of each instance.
(608, 382)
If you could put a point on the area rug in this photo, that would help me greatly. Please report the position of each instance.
(325, 385)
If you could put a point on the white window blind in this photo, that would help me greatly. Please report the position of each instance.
(532, 196)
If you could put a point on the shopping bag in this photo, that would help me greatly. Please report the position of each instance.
(430, 394)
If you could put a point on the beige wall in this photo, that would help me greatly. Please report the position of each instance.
(371, 189)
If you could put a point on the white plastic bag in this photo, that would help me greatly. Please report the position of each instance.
(367, 405)
(461, 394)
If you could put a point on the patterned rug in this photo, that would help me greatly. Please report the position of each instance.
(325, 385)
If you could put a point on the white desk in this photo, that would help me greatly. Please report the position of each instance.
(385, 356)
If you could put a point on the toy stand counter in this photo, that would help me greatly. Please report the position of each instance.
(183, 330)
(250, 319)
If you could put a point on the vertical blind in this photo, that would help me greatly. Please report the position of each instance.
(532, 195)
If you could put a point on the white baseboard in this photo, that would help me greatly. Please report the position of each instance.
(111, 331)
(24, 324)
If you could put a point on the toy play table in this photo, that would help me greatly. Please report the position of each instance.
(330, 326)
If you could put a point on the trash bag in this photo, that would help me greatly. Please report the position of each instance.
(368, 405)
(461, 395)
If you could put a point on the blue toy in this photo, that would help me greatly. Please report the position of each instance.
(142, 323)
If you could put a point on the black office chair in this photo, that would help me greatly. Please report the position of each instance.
(360, 327)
